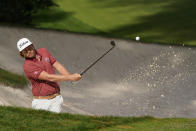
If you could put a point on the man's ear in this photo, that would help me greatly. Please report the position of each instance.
(33, 46)
(21, 54)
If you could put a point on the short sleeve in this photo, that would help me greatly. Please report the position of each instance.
(32, 70)
(51, 57)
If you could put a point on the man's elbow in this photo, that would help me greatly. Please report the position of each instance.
(51, 79)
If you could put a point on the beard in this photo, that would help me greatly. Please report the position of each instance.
(32, 55)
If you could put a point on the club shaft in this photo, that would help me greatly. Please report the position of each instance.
(96, 61)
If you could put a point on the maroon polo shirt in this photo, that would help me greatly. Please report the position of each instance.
(33, 68)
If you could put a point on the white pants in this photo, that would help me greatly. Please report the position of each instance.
(53, 105)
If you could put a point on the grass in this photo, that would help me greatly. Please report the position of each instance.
(13, 118)
(159, 21)
(11, 79)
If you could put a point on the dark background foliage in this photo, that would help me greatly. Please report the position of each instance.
(20, 11)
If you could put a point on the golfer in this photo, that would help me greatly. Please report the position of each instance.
(39, 68)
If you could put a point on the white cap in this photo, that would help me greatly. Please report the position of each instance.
(23, 43)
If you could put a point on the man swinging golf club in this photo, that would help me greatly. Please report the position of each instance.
(39, 68)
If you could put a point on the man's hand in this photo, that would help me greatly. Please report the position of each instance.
(75, 77)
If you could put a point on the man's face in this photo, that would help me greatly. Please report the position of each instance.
(29, 52)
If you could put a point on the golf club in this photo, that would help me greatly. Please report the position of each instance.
(113, 45)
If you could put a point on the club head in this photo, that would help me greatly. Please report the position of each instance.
(112, 43)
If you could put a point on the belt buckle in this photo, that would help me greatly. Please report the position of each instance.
(53, 95)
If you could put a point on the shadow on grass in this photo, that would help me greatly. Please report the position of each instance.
(57, 19)
(51, 15)
(123, 3)
(176, 23)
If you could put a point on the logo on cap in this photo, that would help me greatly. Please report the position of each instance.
(23, 43)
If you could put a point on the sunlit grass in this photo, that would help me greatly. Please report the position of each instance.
(158, 21)
(13, 118)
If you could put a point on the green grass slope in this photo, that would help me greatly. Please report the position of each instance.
(160, 21)
(12, 79)
(13, 118)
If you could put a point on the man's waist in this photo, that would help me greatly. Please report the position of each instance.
(47, 97)
(45, 91)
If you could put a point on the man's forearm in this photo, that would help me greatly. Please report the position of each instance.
(54, 77)
(58, 78)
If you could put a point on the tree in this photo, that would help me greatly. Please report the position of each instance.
(20, 11)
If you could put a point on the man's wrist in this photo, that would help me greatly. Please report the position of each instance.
(67, 77)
